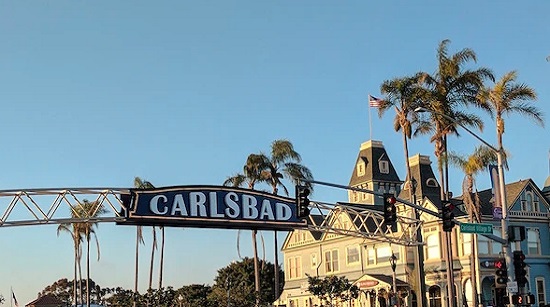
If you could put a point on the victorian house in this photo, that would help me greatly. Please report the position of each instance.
(420, 271)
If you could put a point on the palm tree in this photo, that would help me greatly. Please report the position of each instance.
(508, 97)
(143, 184)
(404, 95)
(284, 162)
(90, 210)
(450, 88)
(76, 235)
(252, 174)
(478, 161)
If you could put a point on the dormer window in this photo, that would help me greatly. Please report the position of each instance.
(384, 166)
(361, 169)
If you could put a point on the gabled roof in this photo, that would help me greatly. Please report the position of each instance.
(46, 300)
(513, 192)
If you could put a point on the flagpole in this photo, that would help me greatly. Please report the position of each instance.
(370, 120)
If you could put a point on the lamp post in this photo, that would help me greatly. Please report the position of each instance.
(501, 184)
(393, 263)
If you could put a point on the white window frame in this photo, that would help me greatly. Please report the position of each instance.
(384, 166)
(294, 267)
(356, 248)
(541, 292)
(530, 242)
(332, 261)
(433, 246)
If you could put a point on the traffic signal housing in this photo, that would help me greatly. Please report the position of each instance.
(390, 212)
(523, 299)
(447, 216)
(519, 268)
(302, 201)
(501, 273)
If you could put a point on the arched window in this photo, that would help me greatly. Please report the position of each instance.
(432, 247)
(435, 296)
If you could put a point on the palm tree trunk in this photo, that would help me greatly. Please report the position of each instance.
(161, 256)
(256, 268)
(276, 265)
(137, 264)
(88, 270)
(80, 276)
(75, 293)
(153, 247)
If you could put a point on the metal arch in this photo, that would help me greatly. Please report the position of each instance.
(59, 205)
(366, 223)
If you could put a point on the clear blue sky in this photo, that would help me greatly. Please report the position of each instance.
(93, 93)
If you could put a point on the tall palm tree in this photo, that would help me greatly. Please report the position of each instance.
(284, 162)
(404, 95)
(76, 235)
(479, 160)
(144, 184)
(508, 97)
(252, 174)
(450, 88)
(89, 210)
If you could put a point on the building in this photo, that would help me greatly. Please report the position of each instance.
(365, 262)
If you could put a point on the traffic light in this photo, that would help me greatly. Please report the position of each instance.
(390, 213)
(447, 215)
(302, 202)
(519, 268)
(501, 273)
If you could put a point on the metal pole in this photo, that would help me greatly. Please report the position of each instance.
(504, 221)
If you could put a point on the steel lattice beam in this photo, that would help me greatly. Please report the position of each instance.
(366, 223)
(56, 206)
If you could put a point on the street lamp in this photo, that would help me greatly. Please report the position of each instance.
(502, 187)
(393, 263)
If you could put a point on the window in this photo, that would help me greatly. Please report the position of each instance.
(432, 247)
(294, 267)
(360, 169)
(435, 296)
(384, 166)
(314, 260)
(533, 241)
(331, 261)
(371, 256)
(482, 245)
(352, 254)
(466, 244)
(383, 254)
(541, 294)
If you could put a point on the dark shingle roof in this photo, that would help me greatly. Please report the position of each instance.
(46, 300)
(371, 152)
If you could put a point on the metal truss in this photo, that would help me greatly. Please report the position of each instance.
(365, 223)
(58, 206)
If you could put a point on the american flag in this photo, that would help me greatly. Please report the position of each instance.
(374, 102)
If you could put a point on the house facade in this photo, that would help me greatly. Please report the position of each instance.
(420, 270)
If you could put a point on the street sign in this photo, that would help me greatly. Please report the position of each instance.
(512, 287)
(476, 228)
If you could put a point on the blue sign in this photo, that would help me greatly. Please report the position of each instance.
(211, 207)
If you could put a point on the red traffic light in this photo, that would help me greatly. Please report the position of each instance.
(499, 264)
(391, 200)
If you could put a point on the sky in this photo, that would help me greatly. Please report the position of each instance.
(94, 93)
